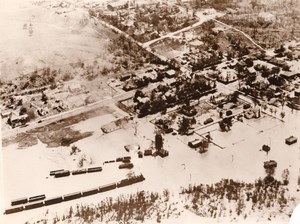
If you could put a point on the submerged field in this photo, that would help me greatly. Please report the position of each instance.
(240, 159)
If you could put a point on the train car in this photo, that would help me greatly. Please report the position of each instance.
(34, 205)
(138, 178)
(37, 198)
(109, 161)
(19, 201)
(52, 173)
(126, 161)
(54, 200)
(14, 210)
(123, 183)
(126, 166)
(90, 192)
(120, 159)
(63, 173)
(107, 187)
(77, 172)
(94, 169)
(72, 196)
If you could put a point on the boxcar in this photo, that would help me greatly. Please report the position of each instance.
(90, 192)
(72, 196)
(37, 198)
(34, 205)
(94, 169)
(19, 201)
(52, 173)
(126, 166)
(14, 210)
(77, 172)
(52, 201)
(126, 161)
(107, 187)
(62, 173)
(120, 159)
(124, 183)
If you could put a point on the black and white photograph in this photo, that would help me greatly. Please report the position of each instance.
(150, 111)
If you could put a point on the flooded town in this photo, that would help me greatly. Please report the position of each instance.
(161, 111)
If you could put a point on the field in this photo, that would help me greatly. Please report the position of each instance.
(52, 37)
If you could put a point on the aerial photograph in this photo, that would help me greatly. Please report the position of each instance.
(149, 111)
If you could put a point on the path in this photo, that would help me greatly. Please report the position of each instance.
(201, 21)
(76, 111)
(246, 35)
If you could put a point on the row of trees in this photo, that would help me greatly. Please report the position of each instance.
(128, 208)
(230, 198)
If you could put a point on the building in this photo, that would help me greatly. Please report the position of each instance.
(170, 73)
(227, 76)
(17, 120)
(291, 140)
(290, 75)
(113, 6)
(114, 125)
(75, 88)
(270, 164)
(195, 143)
(5, 113)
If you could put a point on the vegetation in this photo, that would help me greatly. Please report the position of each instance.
(149, 21)
(225, 198)
(231, 198)
(185, 90)
(268, 30)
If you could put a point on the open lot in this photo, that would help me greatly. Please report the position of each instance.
(60, 36)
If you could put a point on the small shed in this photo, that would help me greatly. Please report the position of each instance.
(291, 140)
(117, 5)
(148, 152)
(195, 143)
(270, 164)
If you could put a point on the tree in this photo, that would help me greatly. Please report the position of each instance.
(20, 102)
(23, 111)
(137, 94)
(275, 70)
(223, 126)
(282, 114)
(145, 109)
(249, 62)
(158, 142)
(184, 125)
(285, 176)
(33, 77)
(266, 148)
(44, 97)
(31, 114)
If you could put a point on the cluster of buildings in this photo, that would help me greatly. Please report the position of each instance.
(148, 21)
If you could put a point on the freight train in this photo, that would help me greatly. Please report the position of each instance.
(38, 201)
